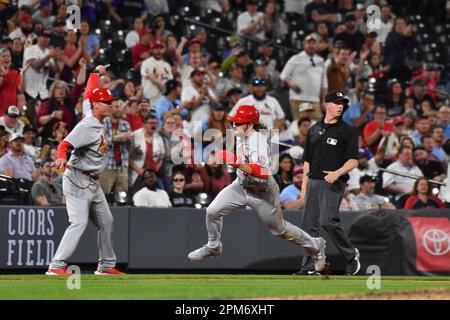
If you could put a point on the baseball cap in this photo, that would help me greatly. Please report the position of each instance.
(25, 18)
(363, 153)
(234, 91)
(217, 106)
(305, 106)
(157, 44)
(350, 17)
(250, 2)
(13, 111)
(419, 82)
(298, 170)
(335, 96)
(397, 120)
(366, 178)
(101, 95)
(43, 33)
(15, 136)
(196, 72)
(260, 62)
(171, 85)
(45, 2)
(29, 128)
(311, 36)
(144, 31)
(193, 41)
(259, 82)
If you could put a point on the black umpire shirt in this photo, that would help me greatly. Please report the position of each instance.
(329, 146)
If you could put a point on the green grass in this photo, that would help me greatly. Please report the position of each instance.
(184, 287)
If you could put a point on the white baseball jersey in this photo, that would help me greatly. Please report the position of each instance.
(269, 108)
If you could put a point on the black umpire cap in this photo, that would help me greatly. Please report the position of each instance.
(336, 96)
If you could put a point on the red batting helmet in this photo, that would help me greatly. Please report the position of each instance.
(245, 114)
(101, 95)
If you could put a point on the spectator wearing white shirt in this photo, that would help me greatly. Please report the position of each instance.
(269, 108)
(24, 31)
(29, 135)
(155, 71)
(132, 37)
(41, 59)
(399, 185)
(361, 170)
(150, 195)
(250, 22)
(366, 199)
(304, 75)
(199, 95)
(387, 22)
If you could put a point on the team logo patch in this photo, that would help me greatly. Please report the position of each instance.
(262, 160)
(332, 141)
(103, 148)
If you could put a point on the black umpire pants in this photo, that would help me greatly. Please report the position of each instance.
(321, 209)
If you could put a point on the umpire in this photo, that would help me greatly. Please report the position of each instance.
(330, 153)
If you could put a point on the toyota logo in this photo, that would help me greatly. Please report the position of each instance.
(436, 242)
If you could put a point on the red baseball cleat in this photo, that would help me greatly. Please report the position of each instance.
(112, 271)
(58, 272)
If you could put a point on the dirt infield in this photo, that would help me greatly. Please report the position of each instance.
(423, 294)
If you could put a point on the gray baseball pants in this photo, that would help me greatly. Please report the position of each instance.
(321, 209)
(268, 207)
(85, 199)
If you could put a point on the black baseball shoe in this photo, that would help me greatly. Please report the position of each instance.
(354, 265)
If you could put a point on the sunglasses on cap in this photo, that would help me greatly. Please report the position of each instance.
(259, 82)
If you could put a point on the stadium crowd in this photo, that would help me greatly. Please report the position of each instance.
(176, 65)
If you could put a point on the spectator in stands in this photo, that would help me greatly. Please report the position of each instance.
(4, 137)
(420, 96)
(130, 93)
(11, 85)
(24, 31)
(170, 102)
(60, 106)
(351, 37)
(194, 182)
(44, 14)
(359, 113)
(306, 110)
(444, 120)
(374, 130)
(250, 23)
(234, 80)
(422, 129)
(285, 172)
(290, 196)
(199, 96)
(367, 199)
(324, 45)
(60, 130)
(233, 96)
(158, 26)
(387, 22)
(339, 71)
(16, 163)
(119, 9)
(361, 170)
(355, 94)
(119, 139)
(178, 196)
(261, 72)
(272, 23)
(399, 45)
(89, 40)
(194, 62)
(433, 170)
(303, 124)
(16, 54)
(133, 36)
(166, 131)
(217, 120)
(150, 195)
(394, 98)
(148, 149)
(155, 71)
(41, 60)
(141, 50)
(171, 56)
(304, 75)
(72, 56)
(400, 185)
(348, 203)
(371, 44)
(46, 191)
(320, 10)
(58, 37)
(11, 121)
(391, 140)
(421, 196)
(136, 119)
(215, 177)
(269, 108)
(29, 135)
(435, 151)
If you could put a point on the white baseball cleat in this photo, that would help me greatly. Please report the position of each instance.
(204, 252)
(320, 258)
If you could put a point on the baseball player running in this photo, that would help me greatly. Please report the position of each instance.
(254, 187)
(84, 197)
